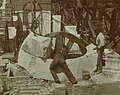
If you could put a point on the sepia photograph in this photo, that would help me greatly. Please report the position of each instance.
(59, 47)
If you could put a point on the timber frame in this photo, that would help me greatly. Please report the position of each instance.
(86, 12)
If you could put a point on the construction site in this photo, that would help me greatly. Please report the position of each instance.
(33, 34)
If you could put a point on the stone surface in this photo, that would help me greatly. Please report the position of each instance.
(106, 83)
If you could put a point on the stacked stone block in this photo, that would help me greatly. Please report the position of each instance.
(28, 86)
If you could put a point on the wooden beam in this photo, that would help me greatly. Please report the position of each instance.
(106, 16)
(112, 43)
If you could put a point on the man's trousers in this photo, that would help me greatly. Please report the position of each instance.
(61, 66)
(99, 58)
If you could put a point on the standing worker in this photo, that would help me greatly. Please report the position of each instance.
(100, 45)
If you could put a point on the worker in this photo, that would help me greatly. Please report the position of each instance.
(59, 65)
(100, 44)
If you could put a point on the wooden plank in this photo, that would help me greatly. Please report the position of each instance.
(112, 43)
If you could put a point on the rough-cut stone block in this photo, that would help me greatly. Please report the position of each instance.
(60, 89)
(59, 85)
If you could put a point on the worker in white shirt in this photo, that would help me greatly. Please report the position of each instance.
(100, 44)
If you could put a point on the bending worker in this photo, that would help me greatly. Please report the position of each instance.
(59, 64)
